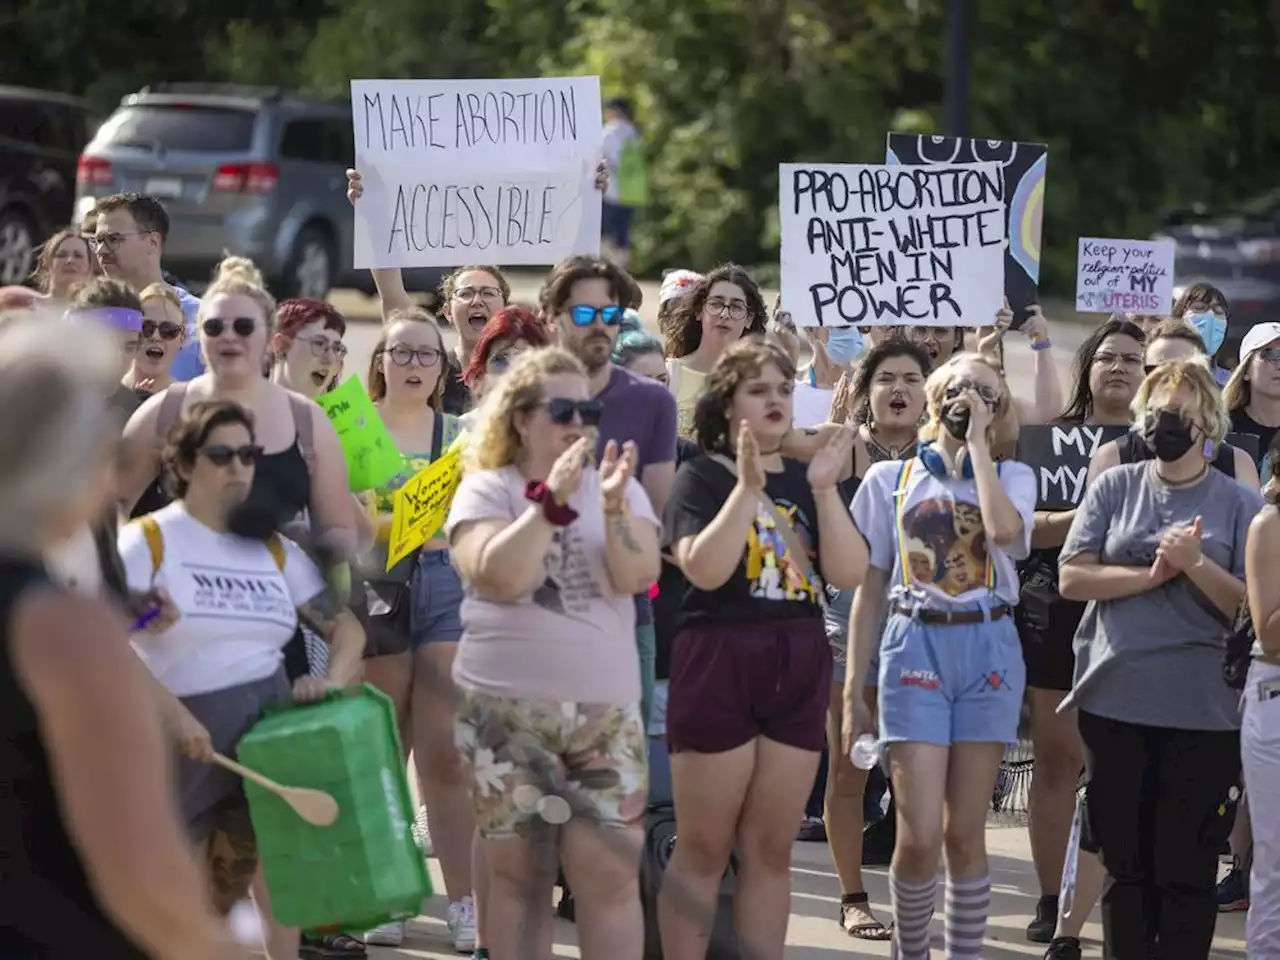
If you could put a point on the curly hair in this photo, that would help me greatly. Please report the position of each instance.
(865, 372)
(191, 432)
(555, 293)
(741, 362)
(449, 285)
(497, 443)
(239, 277)
(683, 327)
(935, 391)
(376, 377)
(42, 275)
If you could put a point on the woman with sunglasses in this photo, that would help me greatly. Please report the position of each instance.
(164, 331)
(758, 540)
(302, 468)
(417, 638)
(712, 314)
(1157, 551)
(552, 550)
(945, 528)
(222, 660)
(1252, 394)
(66, 259)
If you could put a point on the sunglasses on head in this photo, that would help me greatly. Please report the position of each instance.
(561, 410)
(241, 326)
(219, 454)
(167, 329)
(585, 316)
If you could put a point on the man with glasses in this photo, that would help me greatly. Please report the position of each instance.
(129, 232)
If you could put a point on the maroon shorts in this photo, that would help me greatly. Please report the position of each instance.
(734, 682)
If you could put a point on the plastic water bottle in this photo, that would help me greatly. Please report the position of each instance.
(865, 753)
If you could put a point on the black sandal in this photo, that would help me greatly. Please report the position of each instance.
(871, 929)
(332, 946)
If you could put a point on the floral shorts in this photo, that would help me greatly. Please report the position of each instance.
(521, 752)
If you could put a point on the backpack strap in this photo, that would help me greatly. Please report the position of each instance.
(155, 541)
(170, 410)
(305, 428)
(437, 434)
(276, 546)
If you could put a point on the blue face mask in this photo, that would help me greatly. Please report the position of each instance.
(845, 346)
(1212, 328)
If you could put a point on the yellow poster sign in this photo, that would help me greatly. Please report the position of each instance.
(422, 505)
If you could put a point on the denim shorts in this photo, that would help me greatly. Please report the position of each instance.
(950, 683)
(436, 601)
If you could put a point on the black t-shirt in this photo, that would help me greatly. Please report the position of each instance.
(767, 585)
(671, 587)
(1241, 422)
(457, 395)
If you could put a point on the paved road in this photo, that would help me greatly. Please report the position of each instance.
(813, 934)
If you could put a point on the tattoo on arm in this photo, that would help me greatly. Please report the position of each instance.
(622, 530)
(322, 610)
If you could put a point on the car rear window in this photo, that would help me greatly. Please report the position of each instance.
(197, 129)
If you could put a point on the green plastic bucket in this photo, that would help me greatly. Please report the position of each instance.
(364, 869)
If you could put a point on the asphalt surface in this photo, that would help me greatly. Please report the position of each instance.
(813, 933)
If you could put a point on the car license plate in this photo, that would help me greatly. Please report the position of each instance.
(166, 188)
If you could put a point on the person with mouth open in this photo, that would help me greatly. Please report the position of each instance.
(714, 313)
(164, 331)
(307, 352)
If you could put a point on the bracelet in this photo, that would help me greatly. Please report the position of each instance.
(1044, 344)
(557, 514)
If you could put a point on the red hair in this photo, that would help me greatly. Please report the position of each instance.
(507, 325)
(293, 315)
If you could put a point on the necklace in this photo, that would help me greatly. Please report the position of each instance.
(1178, 484)
(880, 451)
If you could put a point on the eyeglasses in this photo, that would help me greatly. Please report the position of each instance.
(167, 329)
(220, 455)
(402, 355)
(989, 395)
(925, 334)
(736, 309)
(112, 241)
(499, 362)
(473, 293)
(323, 345)
(214, 327)
(561, 410)
(1269, 354)
(1124, 359)
(584, 315)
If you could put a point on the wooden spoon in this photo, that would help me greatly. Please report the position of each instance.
(316, 807)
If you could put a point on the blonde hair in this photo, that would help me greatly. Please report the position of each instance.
(935, 392)
(1168, 378)
(497, 443)
(239, 277)
(161, 291)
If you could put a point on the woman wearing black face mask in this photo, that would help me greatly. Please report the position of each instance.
(1157, 551)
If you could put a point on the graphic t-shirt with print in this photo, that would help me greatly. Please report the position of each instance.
(768, 583)
(237, 609)
(572, 637)
(937, 534)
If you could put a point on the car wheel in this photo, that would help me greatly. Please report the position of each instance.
(17, 247)
(310, 269)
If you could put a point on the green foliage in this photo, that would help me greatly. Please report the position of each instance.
(1146, 105)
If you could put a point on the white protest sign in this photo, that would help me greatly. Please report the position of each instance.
(1125, 276)
(875, 244)
(464, 171)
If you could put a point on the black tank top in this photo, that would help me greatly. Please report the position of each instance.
(47, 909)
(1241, 422)
(1133, 449)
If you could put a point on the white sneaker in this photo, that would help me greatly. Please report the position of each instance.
(462, 925)
(388, 935)
(421, 833)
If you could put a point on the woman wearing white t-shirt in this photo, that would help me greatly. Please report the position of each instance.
(238, 602)
(551, 551)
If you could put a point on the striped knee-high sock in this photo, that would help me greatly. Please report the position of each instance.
(912, 910)
(968, 903)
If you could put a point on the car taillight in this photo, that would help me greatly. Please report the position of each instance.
(1261, 251)
(255, 178)
(93, 171)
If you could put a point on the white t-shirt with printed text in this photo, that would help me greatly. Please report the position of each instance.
(237, 609)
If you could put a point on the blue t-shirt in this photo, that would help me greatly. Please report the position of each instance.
(187, 365)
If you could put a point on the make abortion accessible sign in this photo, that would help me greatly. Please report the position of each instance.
(890, 244)
(464, 171)
(1125, 276)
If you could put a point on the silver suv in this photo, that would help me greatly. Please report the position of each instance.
(254, 171)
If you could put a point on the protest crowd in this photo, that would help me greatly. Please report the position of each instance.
(607, 582)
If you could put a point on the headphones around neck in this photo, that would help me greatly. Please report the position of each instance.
(939, 464)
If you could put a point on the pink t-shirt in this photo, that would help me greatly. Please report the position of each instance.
(571, 639)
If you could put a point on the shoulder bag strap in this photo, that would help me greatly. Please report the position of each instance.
(437, 435)
(276, 546)
(155, 541)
